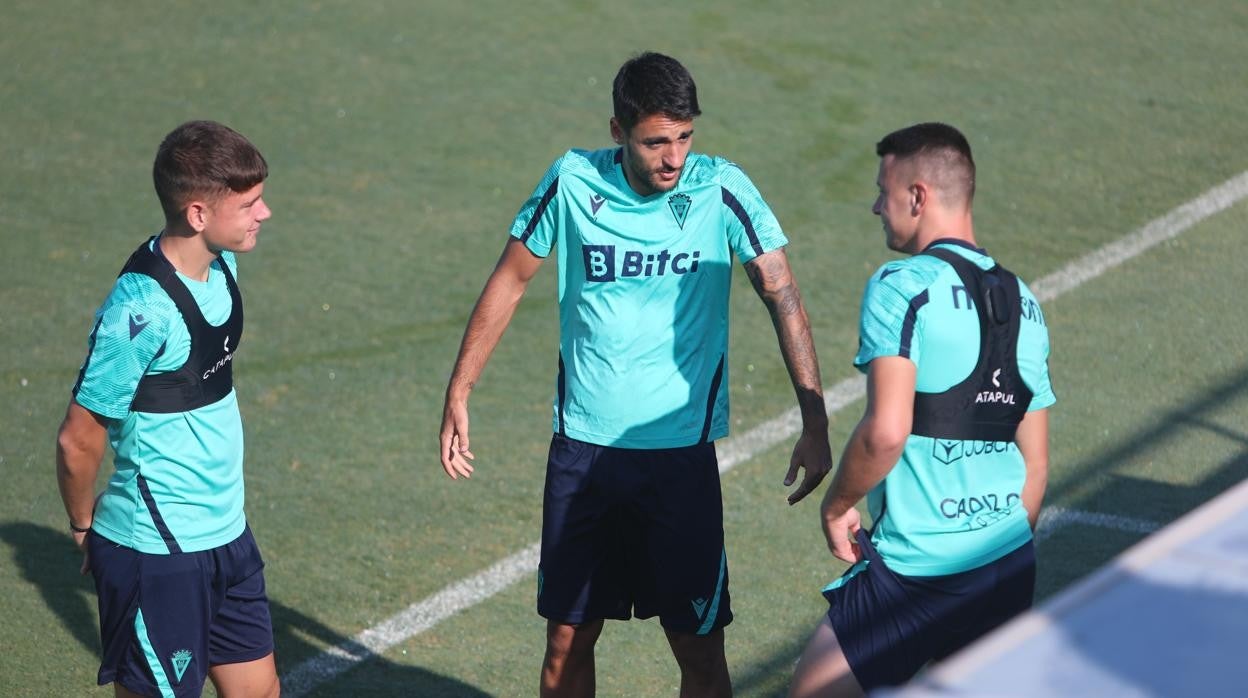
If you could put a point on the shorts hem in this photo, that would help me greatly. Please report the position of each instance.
(579, 618)
(241, 657)
(103, 678)
(150, 689)
(717, 625)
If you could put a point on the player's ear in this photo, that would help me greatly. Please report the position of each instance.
(919, 193)
(617, 131)
(197, 216)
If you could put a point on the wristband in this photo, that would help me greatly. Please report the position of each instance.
(75, 529)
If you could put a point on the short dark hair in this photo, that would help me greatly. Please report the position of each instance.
(943, 155)
(204, 159)
(652, 83)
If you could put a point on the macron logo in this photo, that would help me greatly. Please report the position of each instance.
(137, 323)
(596, 202)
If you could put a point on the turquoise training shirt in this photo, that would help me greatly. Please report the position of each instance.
(948, 505)
(191, 462)
(643, 294)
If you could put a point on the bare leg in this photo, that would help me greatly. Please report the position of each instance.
(823, 671)
(254, 679)
(568, 669)
(703, 668)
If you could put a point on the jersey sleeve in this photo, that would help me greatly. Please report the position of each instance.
(1033, 351)
(535, 224)
(888, 320)
(130, 331)
(752, 227)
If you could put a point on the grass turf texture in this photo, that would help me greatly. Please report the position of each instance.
(402, 139)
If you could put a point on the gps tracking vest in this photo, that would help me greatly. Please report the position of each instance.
(989, 404)
(206, 377)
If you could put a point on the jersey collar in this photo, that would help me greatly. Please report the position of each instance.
(957, 242)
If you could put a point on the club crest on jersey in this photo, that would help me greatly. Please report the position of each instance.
(680, 203)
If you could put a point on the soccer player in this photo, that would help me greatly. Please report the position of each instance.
(952, 451)
(644, 234)
(178, 574)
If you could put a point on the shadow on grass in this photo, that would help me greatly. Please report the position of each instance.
(47, 559)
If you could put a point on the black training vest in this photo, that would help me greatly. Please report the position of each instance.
(989, 404)
(206, 377)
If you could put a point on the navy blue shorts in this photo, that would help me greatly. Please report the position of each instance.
(633, 532)
(890, 625)
(165, 619)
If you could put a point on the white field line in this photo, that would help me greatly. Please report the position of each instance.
(733, 451)
(1054, 519)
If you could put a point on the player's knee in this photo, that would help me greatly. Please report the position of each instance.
(564, 642)
(699, 655)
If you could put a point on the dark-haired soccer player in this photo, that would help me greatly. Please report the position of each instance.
(952, 452)
(181, 591)
(645, 234)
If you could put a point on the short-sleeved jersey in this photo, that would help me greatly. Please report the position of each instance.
(643, 294)
(948, 505)
(182, 471)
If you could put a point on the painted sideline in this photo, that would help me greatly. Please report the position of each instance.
(1054, 519)
(423, 615)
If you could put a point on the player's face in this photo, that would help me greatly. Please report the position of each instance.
(233, 221)
(895, 204)
(654, 152)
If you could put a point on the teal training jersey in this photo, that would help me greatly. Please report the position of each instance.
(948, 505)
(643, 294)
(187, 465)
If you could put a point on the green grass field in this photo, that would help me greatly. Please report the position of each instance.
(402, 138)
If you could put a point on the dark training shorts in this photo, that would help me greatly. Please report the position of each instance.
(633, 532)
(890, 625)
(165, 619)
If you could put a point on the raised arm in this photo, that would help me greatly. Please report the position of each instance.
(871, 452)
(490, 317)
(1033, 443)
(80, 445)
(775, 285)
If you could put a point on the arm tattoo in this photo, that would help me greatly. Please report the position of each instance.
(774, 284)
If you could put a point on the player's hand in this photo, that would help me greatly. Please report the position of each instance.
(80, 540)
(840, 532)
(454, 440)
(812, 453)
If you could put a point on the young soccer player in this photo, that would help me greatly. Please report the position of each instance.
(178, 574)
(952, 451)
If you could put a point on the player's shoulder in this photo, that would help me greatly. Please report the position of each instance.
(907, 276)
(586, 163)
(1024, 291)
(703, 169)
(138, 290)
(135, 303)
